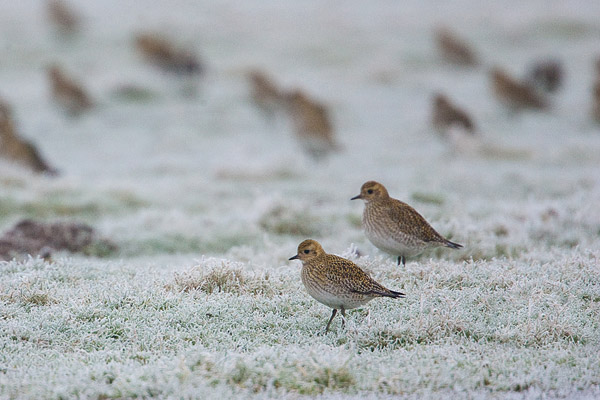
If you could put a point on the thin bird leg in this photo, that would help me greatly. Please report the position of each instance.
(331, 319)
(402, 259)
(343, 317)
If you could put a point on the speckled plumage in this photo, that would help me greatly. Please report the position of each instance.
(335, 281)
(395, 227)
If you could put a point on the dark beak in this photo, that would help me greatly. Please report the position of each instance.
(356, 197)
(295, 257)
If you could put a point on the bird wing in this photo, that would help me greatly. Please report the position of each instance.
(408, 221)
(349, 275)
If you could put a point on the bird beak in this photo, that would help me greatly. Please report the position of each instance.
(356, 197)
(295, 257)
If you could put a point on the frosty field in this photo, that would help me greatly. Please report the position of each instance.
(207, 200)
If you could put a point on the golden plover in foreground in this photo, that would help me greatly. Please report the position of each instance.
(68, 93)
(395, 227)
(336, 282)
(446, 115)
(453, 49)
(514, 94)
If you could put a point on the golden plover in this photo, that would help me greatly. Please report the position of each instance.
(167, 56)
(69, 94)
(311, 123)
(453, 49)
(514, 94)
(395, 227)
(16, 149)
(63, 17)
(336, 282)
(547, 75)
(265, 93)
(445, 115)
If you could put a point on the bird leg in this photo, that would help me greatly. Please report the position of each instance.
(402, 259)
(331, 319)
(343, 317)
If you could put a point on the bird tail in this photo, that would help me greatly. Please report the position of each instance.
(394, 294)
(453, 245)
(383, 292)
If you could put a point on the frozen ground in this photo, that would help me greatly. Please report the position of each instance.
(207, 201)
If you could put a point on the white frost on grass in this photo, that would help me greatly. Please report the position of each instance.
(207, 202)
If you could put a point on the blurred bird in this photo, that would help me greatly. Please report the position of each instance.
(546, 75)
(265, 93)
(395, 227)
(63, 17)
(159, 51)
(16, 149)
(514, 94)
(311, 123)
(596, 101)
(453, 49)
(337, 282)
(446, 115)
(67, 93)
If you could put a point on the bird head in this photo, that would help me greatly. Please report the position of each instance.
(308, 250)
(372, 190)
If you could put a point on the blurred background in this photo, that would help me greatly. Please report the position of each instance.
(198, 126)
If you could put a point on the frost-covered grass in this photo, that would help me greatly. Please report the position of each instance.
(207, 201)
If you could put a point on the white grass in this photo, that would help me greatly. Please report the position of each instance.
(208, 201)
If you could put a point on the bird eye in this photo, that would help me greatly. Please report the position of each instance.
(306, 251)
(370, 191)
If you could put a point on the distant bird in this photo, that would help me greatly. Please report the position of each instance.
(167, 56)
(453, 49)
(395, 227)
(63, 17)
(16, 149)
(514, 94)
(336, 282)
(265, 93)
(446, 115)
(596, 101)
(67, 93)
(547, 75)
(311, 123)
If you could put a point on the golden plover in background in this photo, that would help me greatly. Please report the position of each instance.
(395, 227)
(68, 93)
(265, 93)
(63, 17)
(167, 56)
(547, 75)
(596, 101)
(453, 49)
(514, 94)
(336, 282)
(16, 149)
(311, 123)
(445, 115)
